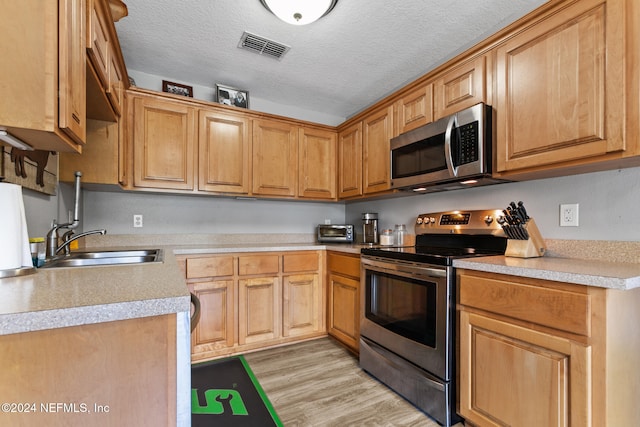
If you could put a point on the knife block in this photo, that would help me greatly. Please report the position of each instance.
(531, 248)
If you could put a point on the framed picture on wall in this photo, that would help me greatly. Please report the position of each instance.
(177, 88)
(231, 96)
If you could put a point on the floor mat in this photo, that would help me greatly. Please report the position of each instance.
(226, 393)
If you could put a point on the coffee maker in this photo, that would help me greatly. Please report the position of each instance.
(370, 228)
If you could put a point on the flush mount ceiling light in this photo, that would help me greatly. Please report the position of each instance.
(298, 12)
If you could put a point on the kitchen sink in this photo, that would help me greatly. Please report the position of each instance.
(110, 257)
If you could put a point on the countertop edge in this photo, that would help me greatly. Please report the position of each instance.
(566, 270)
(14, 323)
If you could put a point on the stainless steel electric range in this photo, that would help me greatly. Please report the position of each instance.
(408, 301)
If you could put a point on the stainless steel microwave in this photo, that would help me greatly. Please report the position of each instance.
(335, 233)
(450, 153)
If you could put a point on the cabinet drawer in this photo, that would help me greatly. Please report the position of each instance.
(209, 267)
(344, 264)
(560, 309)
(300, 262)
(257, 264)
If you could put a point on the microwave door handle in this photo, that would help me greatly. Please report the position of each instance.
(448, 155)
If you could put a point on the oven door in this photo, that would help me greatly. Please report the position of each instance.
(407, 308)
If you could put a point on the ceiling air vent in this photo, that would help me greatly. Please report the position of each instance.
(262, 46)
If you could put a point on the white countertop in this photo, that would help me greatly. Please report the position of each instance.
(613, 275)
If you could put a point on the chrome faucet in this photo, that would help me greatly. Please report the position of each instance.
(52, 236)
(68, 239)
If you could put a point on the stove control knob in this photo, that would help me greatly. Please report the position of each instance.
(419, 220)
(488, 219)
(432, 220)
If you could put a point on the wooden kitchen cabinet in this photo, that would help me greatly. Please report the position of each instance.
(350, 161)
(106, 71)
(536, 352)
(164, 143)
(259, 298)
(343, 278)
(414, 109)
(316, 163)
(275, 158)
(252, 301)
(98, 39)
(461, 87)
(123, 372)
(224, 147)
(302, 308)
(377, 130)
(561, 90)
(211, 280)
(43, 99)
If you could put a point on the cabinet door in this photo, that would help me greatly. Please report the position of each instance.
(377, 130)
(462, 87)
(275, 157)
(72, 72)
(259, 305)
(560, 88)
(98, 41)
(510, 375)
(344, 318)
(316, 164)
(115, 91)
(301, 304)
(216, 328)
(163, 144)
(350, 161)
(414, 109)
(224, 153)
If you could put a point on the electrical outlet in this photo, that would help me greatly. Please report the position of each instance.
(327, 221)
(137, 220)
(569, 215)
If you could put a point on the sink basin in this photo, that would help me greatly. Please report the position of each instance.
(115, 257)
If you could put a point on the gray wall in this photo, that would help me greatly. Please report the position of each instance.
(609, 204)
(176, 214)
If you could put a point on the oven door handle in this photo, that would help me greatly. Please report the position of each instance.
(408, 271)
(423, 272)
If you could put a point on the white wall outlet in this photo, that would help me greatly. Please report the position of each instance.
(137, 220)
(327, 221)
(569, 215)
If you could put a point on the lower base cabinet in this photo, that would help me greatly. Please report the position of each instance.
(255, 300)
(120, 373)
(343, 277)
(536, 352)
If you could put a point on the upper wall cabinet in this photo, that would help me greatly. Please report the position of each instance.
(316, 163)
(43, 73)
(224, 153)
(414, 109)
(461, 87)
(275, 158)
(377, 130)
(164, 141)
(561, 89)
(105, 66)
(350, 161)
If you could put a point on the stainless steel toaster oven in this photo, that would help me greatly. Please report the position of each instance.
(335, 233)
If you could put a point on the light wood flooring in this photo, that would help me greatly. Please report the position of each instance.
(319, 383)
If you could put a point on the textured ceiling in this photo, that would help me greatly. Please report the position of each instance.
(359, 53)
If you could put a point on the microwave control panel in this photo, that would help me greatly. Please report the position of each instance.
(467, 146)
